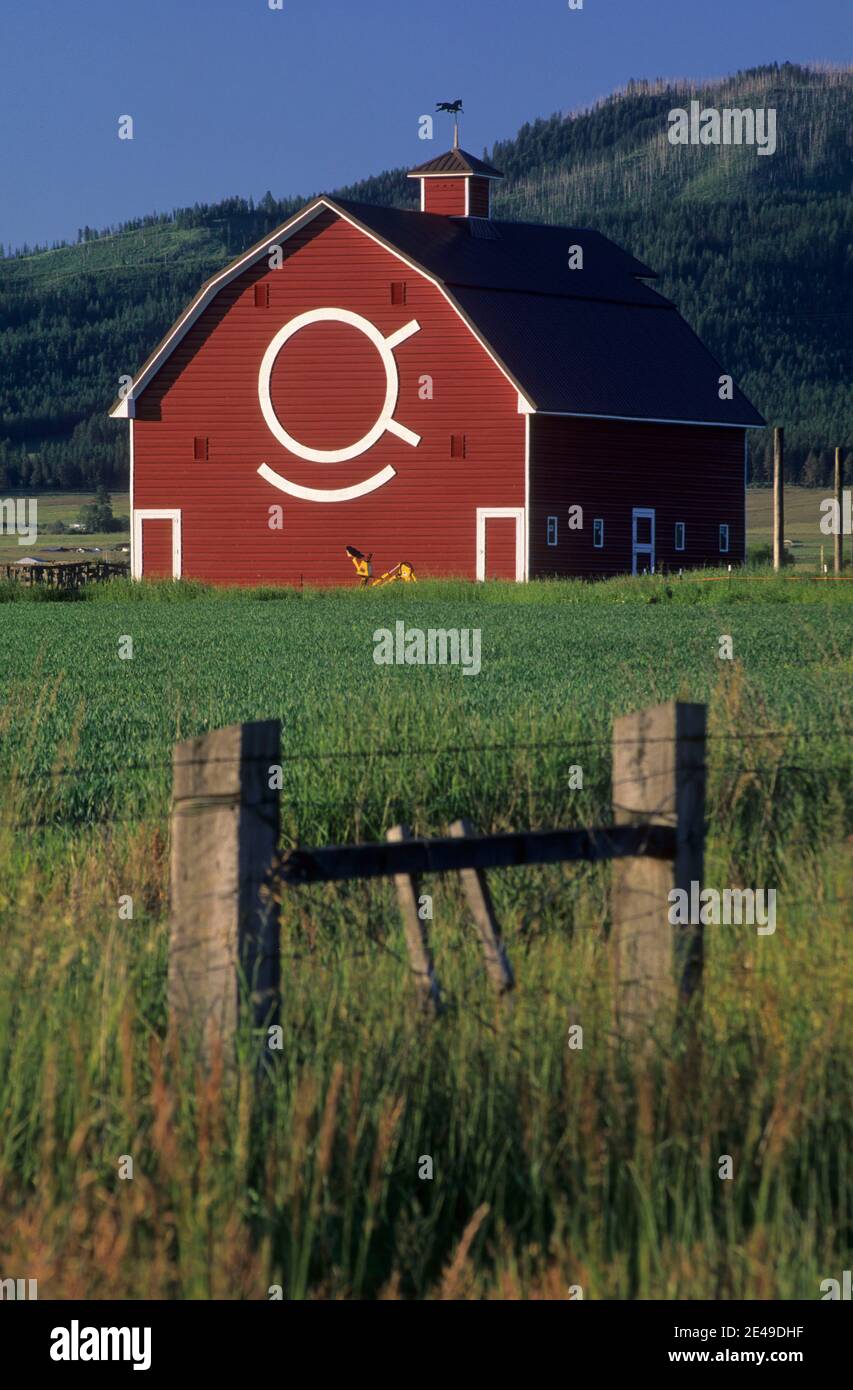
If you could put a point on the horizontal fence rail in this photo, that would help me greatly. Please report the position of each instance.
(450, 855)
(229, 877)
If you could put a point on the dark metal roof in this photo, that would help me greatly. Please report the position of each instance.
(599, 357)
(595, 341)
(456, 162)
(524, 256)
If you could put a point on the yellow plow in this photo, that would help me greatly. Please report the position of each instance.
(364, 570)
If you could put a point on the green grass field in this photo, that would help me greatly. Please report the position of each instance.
(552, 1167)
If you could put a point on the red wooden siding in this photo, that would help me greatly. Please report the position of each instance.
(327, 387)
(446, 196)
(479, 198)
(500, 547)
(608, 467)
(156, 548)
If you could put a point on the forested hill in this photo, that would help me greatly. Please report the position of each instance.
(754, 249)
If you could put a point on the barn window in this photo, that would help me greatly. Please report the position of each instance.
(398, 291)
(680, 531)
(552, 530)
(458, 446)
(262, 296)
(200, 448)
(724, 539)
(598, 533)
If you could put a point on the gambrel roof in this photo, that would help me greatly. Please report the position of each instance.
(594, 341)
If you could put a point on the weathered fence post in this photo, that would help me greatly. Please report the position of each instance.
(417, 943)
(658, 779)
(224, 927)
(479, 898)
(838, 552)
(778, 497)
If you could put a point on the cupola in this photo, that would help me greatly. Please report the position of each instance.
(456, 184)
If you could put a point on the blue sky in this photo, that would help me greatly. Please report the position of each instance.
(230, 97)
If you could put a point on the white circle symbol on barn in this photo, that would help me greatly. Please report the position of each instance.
(385, 347)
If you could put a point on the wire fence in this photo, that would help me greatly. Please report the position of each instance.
(836, 772)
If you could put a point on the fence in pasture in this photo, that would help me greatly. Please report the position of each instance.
(71, 574)
(225, 870)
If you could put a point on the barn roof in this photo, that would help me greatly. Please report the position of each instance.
(456, 161)
(592, 341)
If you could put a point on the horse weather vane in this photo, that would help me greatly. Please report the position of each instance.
(454, 109)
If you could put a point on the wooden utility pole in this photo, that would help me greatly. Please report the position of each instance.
(839, 511)
(778, 497)
(224, 927)
(658, 779)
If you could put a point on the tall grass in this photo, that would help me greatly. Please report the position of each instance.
(552, 1166)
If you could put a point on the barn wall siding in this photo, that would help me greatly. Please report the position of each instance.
(684, 472)
(445, 196)
(478, 198)
(327, 388)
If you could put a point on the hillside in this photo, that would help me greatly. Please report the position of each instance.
(753, 249)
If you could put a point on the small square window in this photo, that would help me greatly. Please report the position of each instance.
(552, 530)
(398, 291)
(680, 532)
(458, 446)
(598, 533)
(200, 448)
(724, 539)
(262, 296)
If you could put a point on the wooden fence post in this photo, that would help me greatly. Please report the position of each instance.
(658, 779)
(224, 925)
(479, 898)
(417, 944)
(778, 497)
(838, 554)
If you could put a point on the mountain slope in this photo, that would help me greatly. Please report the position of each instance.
(754, 250)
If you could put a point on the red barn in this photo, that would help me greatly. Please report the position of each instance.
(478, 398)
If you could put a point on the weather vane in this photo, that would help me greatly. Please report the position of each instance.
(454, 109)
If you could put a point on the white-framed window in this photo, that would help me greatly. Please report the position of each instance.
(598, 533)
(680, 533)
(552, 530)
(724, 539)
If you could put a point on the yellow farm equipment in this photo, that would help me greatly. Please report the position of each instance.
(364, 570)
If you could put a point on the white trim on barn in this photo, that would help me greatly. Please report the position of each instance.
(648, 419)
(526, 575)
(642, 548)
(130, 499)
(126, 408)
(172, 514)
(485, 514)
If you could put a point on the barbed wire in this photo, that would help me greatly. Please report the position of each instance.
(452, 750)
(294, 804)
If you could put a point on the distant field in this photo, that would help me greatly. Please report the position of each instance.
(65, 506)
(802, 523)
(802, 517)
